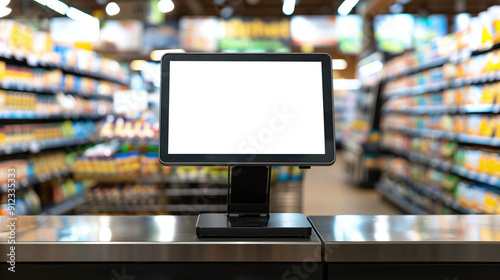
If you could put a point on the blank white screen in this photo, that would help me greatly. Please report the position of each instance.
(239, 107)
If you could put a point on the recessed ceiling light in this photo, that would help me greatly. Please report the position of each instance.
(166, 6)
(112, 9)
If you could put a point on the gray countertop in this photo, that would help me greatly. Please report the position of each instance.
(141, 239)
(430, 238)
(457, 238)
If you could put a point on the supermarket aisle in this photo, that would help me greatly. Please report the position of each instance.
(327, 191)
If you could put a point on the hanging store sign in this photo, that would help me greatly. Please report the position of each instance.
(254, 35)
(344, 32)
(236, 34)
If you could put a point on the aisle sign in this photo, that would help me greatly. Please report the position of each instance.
(237, 34)
(120, 36)
(344, 32)
(255, 35)
(66, 30)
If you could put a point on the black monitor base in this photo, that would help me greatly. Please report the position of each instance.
(248, 210)
(274, 225)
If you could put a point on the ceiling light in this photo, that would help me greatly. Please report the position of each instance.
(77, 15)
(42, 2)
(339, 64)
(288, 7)
(166, 6)
(136, 65)
(57, 6)
(4, 11)
(156, 55)
(112, 9)
(346, 7)
(4, 3)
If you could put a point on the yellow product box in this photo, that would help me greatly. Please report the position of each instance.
(487, 163)
(487, 126)
(496, 166)
(489, 93)
(490, 203)
(480, 125)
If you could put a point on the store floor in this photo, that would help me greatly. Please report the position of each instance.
(327, 191)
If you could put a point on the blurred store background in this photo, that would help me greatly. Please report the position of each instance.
(416, 92)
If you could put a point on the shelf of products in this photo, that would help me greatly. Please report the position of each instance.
(345, 106)
(142, 129)
(130, 178)
(447, 166)
(472, 162)
(37, 137)
(362, 134)
(440, 124)
(399, 201)
(24, 45)
(46, 81)
(42, 82)
(53, 197)
(35, 169)
(26, 105)
(437, 191)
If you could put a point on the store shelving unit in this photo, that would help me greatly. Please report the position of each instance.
(36, 147)
(345, 104)
(21, 61)
(32, 85)
(403, 119)
(37, 180)
(360, 141)
(400, 201)
(181, 195)
(54, 91)
(17, 116)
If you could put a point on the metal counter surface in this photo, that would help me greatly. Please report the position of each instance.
(407, 238)
(142, 239)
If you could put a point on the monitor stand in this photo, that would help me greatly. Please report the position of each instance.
(248, 210)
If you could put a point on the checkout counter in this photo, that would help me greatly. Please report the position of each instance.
(166, 247)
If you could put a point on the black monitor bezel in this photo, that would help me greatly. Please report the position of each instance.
(248, 159)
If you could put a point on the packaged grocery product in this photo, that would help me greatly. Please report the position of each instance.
(480, 125)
